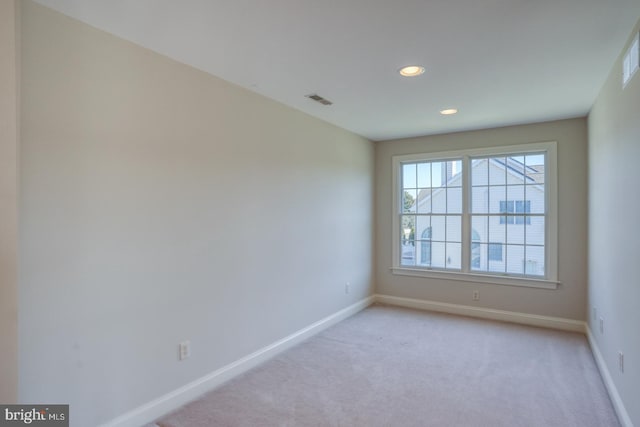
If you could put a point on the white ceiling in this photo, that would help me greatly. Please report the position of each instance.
(500, 62)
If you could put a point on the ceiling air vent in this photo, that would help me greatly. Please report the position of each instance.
(319, 99)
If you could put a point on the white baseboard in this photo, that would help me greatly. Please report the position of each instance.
(485, 313)
(153, 410)
(621, 411)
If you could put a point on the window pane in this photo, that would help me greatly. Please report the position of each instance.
(438, 255)
(409, 175)
(515, 258)
(497, 171)
(496, 258)
(409, 201)
(479, 228)
(437, 227)
(454, 173)
(516, 162)
(479, 199)
(497, 230)
(515, 232)
(515, 170)
(515, 193)
(479, 172)
(476, 257)
(423, 255)
(438, 172)
(522, 206)
(535, 168)
(535, 196)
(495, 252)
(439, 200)
(407, 227)
(534, 264)
(454, 200)
(454, 228)
(454, 255)
(424, 201)
(423, 227)
(424, 175)
(408, 254)
(507, 206)
(497, 197)
(535, 230)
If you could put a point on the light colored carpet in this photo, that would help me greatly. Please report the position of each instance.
(390, 366)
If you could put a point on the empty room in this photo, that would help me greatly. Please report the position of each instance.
(308, 213)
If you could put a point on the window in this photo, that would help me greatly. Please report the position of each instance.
(482, 215)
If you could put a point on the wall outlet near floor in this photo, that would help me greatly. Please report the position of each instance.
(621, 361)
(347, 288)
(476, 295)
(601, 325)
(184, 350)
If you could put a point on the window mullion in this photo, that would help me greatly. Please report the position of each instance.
(466, 217)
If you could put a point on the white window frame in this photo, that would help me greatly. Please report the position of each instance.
(549, 281)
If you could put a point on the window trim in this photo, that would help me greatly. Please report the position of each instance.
(550, 281)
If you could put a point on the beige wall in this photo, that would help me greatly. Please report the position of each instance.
(614, 245)
(9, 66)
(569, 300)
(161, 204)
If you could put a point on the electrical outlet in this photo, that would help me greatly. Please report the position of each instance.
(601, 325)
(184, 350)
(476, 295)
(621, 361)
(347, 288)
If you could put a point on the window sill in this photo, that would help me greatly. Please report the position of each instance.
(529, 282)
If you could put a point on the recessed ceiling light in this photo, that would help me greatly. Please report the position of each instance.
(448, 111)
(411, 70)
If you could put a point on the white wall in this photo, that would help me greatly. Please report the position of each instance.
(160, 204)
(614, 245)
(569, 300)
(9, 70)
